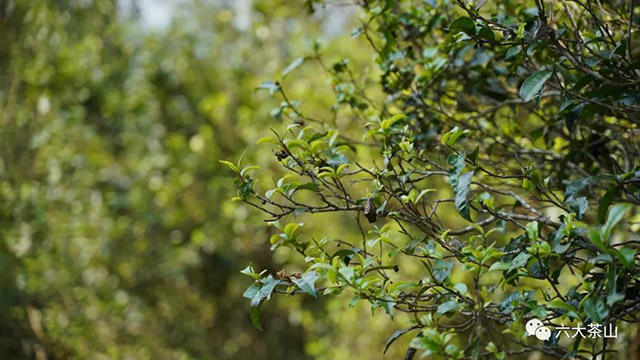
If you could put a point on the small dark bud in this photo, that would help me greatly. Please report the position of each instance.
(281, 155)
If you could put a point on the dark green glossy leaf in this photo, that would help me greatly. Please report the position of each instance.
(395, 336)
(606, 200)
(461, 187)
(509, 303)
(254, 312)
(460, 184)
(613, 296)
(537, 270)
(574, 187)
(595, 309)
(534, 83)
(486, 33)
(464, 24)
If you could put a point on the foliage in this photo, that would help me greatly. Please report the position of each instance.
(496, 148)
(117, 238)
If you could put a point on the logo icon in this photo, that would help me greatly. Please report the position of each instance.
(535, 328)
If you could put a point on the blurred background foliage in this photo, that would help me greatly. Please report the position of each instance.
(118, 239)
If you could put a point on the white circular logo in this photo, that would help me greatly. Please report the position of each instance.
(535, 328)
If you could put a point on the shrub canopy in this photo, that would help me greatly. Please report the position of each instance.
(490, 163)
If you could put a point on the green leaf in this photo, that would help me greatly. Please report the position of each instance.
(605, 202)
(532, 230)
(594, 236)
(501, 266)
(423, 193)
(395, 336)
(528, 184)
(270, 85)
(461, 288)
(249, 168)
(448, 307)
(442, 270)
(569, 309)
(613, 296)
(461, 186)
(615, 215)
(307, 186)
(307, 283)
(513, 52)
(428, 342)
(519, 261)
(509, 302)
(533, 84)
(452, 136)
(595, 309)
(249, 271)
(255, 316)
(251, 291)
(464, 24)
(627, 257)
(294, 64)
(486, 33)
(538, 270)
(267, 139)
(457, 161)
(579, 206)
(269, 284)
(578, 185)
(347, 273)
(290, 229)
(264, 293)
(231, 165)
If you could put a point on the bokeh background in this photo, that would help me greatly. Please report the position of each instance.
(118, 236)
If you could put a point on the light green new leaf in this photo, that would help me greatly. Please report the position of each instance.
(532, 230)
(231, 165)
(499, 266)
(533, 84)
(294, 64)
